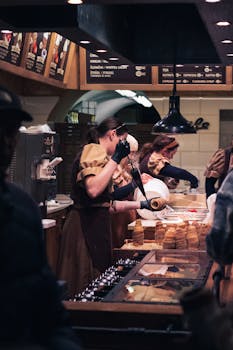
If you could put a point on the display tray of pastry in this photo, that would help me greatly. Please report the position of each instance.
(189, 271)
(177, 256)
(147, 245)
(155, 291)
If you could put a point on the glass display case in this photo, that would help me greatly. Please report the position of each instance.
(135, 303)
(161, 277)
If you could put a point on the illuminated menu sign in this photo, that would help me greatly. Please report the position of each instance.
(59, 57)
(11, 45)
(193, 74)
(100, 71)
(38, 51)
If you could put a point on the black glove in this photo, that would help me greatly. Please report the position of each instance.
(153, 204)
(121, 151)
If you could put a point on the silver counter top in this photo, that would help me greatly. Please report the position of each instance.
(61, 202)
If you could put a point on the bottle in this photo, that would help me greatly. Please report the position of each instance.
(138, 233)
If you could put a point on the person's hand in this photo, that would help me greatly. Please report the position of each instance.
(171, 183)
(121, 151)
(153, 204)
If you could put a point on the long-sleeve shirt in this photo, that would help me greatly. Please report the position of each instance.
(158, 166)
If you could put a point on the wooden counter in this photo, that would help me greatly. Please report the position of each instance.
(131, 325)
(53, 234)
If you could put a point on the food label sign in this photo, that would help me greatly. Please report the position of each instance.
(59, 58)
(101, 71)
(37, 51)
(193, 74)
(11, 45)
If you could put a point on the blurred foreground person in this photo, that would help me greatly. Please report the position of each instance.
(32, 314)
(210, 324)
(86, 248)
(220, 238)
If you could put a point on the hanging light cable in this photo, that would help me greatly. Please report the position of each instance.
(173, 122)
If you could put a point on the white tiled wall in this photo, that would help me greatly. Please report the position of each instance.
(196, 149)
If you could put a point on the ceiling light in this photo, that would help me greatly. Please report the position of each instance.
(85, 42)
(142, 100)
(223, 23)
(75, 2)
(212, 1)
(6, 31)
(173, 122)
(230, 54)
(113, 58)
(126, 93)
(101, 50)
(227, 41)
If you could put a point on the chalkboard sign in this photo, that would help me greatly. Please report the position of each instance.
(11, 45)
(100, 71)
(59, 57)
(37, 51)
(193, 74)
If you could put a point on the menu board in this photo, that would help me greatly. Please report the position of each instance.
(37, 51)
(59, 57)
(11, 45)
(193, 74)
(101, 71)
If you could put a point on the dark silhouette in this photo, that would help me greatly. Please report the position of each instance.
(32, 313)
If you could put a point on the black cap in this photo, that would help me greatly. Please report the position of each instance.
(10, 107)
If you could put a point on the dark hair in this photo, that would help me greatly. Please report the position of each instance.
(160, 142)
(111, 123)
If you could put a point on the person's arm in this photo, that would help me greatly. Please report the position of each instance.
(210, 186)
(96, 184)
(123, 192)
(152, 204)
(179, 173)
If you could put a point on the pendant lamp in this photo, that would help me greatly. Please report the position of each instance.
(173, 122)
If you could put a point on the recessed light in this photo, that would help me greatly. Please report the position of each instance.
(6, 31)
(75, 2)
(113, 58)
(230, 54)
(86, 42)
(101, 50)
(223, 23)
(212, 1)
(227, 41)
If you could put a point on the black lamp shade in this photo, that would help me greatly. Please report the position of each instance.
(174, 122)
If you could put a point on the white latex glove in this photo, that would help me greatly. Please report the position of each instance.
(194, 190)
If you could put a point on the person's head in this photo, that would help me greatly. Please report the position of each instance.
(108, 133)
(11, 117)
(163, 144)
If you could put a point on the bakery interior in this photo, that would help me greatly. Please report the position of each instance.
(151, 33)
